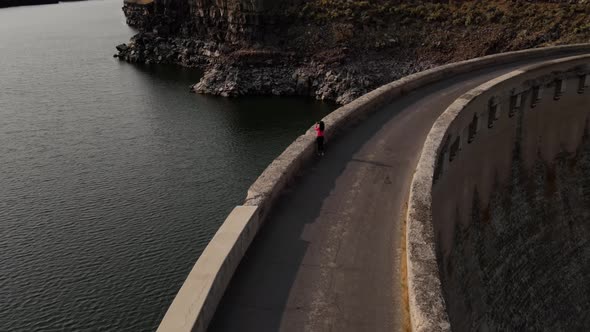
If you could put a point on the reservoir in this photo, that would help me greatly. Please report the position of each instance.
(113, 178)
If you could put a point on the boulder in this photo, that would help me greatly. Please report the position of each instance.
(122, 47)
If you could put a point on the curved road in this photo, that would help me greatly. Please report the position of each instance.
(328, 257)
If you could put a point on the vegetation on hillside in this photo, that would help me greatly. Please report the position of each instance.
(456, 13)
(442, 31)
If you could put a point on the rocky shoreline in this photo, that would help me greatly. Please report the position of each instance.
(228, 72)
(324, 49)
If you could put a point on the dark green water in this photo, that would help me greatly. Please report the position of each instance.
(113, 177)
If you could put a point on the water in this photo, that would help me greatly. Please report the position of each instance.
(113, 177)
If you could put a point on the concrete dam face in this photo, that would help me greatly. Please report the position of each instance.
(511, 203)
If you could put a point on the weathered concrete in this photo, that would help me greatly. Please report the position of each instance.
(352, 264)
(501, 238)
(197, 300)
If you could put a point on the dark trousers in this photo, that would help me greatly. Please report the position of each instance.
(320, 143)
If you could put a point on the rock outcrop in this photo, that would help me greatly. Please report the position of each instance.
(335, 50)
(138, 13)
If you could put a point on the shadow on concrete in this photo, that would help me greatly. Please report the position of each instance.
(257, 297)
(374, 163)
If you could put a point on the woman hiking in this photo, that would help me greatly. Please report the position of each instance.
(319, 129)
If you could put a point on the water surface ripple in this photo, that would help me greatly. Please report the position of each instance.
(113, 178)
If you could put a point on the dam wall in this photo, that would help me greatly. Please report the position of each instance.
(500, 205)
(204, 287)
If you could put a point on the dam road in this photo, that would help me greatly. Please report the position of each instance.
(329, 255)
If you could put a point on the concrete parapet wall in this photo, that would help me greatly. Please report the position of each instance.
(196, 301)
(482, 151)
(200, 294)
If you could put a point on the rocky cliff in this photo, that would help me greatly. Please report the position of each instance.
(138, 13)
(332, 49)
(233, 21)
